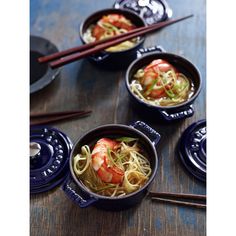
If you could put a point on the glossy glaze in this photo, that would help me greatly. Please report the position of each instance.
(192, 149)
(50, 166)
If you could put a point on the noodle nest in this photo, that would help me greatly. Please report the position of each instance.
(182, 88)
(110, 30)
(127, 157)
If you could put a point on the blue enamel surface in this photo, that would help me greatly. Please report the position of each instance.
(192, 149)
(51, 163)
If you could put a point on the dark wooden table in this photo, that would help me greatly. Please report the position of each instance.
(85, 86)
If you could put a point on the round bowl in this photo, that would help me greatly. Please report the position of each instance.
(114, 60)
(41, 75)
(84, 196)
(168, 113)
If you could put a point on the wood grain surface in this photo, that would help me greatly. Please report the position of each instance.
(85, 86)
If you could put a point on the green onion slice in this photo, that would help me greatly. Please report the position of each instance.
(151, 87)
(126, 139)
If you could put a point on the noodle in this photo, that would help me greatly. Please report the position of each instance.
(127, 157)
(109, 26)
(159, 86)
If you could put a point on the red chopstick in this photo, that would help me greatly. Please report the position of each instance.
(56, 116)
(83, 47)
(73, 54)
(96, 43)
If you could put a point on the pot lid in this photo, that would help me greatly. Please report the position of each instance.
(192, 149)
(49, 158)
(152, 11)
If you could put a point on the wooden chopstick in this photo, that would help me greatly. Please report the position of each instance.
(78, 53)
(59, 117)
(83, 47)
(69, 51)
(191, 204)
(178, 195)
(57, 113)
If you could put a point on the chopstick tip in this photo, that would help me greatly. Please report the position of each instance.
(40, 59)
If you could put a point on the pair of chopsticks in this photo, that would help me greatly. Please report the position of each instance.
(45, 118)
(70, 55)
(179, 199)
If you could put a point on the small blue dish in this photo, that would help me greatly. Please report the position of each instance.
(166, 113)
(41, 75)
(192, 149)
(84, 197)
(113, 60)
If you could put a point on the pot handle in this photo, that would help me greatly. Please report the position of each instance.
(74, 195)
(180, 114)
(143, 51)
(147, 130)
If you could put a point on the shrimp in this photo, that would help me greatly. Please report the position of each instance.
(106, 172)
(151, 80)
(118, 21)
(114, 20)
